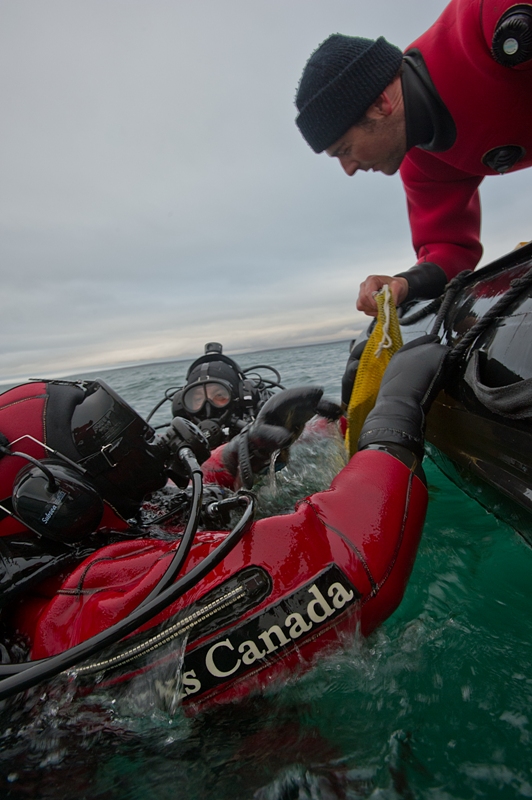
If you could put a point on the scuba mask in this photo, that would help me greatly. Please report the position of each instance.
(207, 395)
(215, 395)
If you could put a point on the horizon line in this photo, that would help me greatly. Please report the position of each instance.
(13, 380)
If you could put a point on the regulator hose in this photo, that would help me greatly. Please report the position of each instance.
(174, 568)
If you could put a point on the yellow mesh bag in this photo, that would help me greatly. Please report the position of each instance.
(383, 342)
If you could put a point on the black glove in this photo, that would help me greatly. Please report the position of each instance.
(329, 410)
(348, 379)
(411, 381)
(278, 424)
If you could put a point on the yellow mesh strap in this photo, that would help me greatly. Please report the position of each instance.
(384, 341)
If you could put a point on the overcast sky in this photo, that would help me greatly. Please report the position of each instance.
(155, 193)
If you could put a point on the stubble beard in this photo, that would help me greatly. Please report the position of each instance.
(397, 135)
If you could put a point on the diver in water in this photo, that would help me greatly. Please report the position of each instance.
(372, 515)
(220, 397)
(77, 463)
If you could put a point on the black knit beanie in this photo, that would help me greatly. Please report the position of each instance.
(342, 78)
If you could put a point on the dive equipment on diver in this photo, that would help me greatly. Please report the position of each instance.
(52, 497)
(59, 498)
(65, 507)
(18, 677)
(190, 464)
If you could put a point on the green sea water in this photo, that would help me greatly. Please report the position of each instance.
(437, 703)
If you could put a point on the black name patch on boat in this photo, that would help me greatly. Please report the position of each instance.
(269, 634)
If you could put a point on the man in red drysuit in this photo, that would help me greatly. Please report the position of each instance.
(452, 109)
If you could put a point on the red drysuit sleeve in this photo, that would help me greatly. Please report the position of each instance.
(215, 471)
(444, 212)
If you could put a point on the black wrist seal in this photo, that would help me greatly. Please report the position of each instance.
(425, 281)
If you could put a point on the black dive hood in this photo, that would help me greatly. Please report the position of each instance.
(89, 423)
(100, 450)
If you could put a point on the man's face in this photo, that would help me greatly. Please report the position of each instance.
(376, 144)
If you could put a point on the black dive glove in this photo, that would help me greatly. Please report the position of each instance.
(348, 378)
(425, 281)
(411, 381)
(278, 424)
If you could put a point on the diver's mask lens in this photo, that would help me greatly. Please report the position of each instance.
(215, 392)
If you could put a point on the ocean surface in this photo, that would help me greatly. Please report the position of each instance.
(436, 704)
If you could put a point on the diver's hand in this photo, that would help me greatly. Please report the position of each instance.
(373, 284)
(351, 369)
(279, 423)
(413, 378)
(290, 409)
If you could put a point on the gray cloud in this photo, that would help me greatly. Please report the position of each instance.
(156, 193)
